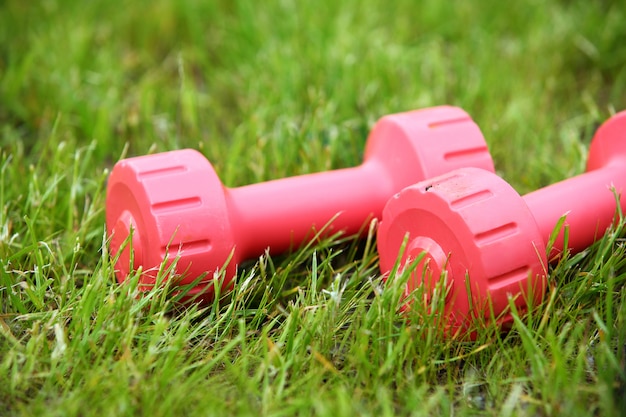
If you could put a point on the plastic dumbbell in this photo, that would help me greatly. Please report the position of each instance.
(178, 208)
(470, 227)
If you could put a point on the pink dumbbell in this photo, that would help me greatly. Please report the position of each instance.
(473, 226)
(178, 208)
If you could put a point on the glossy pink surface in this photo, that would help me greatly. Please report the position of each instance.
(493, 239)
(182, 217)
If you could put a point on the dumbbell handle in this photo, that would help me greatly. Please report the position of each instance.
(279, 213)
(587, 201)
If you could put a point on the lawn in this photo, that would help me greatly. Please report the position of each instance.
(267, 90)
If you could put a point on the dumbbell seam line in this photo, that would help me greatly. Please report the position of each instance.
(450, 121)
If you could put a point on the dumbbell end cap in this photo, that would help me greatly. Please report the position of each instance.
(174, 207)
(425, 143)
(473, 224)
(608, 143)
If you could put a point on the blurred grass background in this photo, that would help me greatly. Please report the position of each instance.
(232, 76)
(266, 90)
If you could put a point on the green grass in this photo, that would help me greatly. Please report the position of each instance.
(266, 90)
